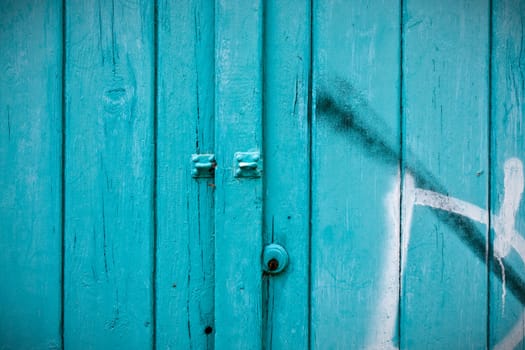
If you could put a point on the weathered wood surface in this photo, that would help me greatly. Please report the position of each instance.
(445, 134)
(507, 301)
(185, 250)
(30, 174)
(108, 265)
(238, 201)
(355, 239)
(392, 140)
(286, 170)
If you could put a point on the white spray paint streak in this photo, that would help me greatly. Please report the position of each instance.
(450, 204)
(505, 221)
(409, 200)
(518, 243)
(383, 325)
(503, 284)
(506, 237)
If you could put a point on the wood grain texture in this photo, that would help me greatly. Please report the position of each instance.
(507, 312)
(109, 168)
(381, 196)
(185, 255)
(238, 206)
(286, 170)
(445, 105)
(354, 165)
(30, 185)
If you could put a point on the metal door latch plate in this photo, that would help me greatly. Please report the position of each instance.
(247, 164)
(203, 165)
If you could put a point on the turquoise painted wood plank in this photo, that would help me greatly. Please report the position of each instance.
(109, 175)
(286, 170)
(507, 299)
(445, 154)
(185, 255)
(355, 191)
(238, 201)
(30, 164)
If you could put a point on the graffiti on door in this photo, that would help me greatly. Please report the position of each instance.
(506, 237)
(349, 113)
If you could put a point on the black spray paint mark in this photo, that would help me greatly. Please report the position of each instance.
(351, 118)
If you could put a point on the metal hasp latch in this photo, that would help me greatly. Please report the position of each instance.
(203, 165)
(247, 164)
(274, 259)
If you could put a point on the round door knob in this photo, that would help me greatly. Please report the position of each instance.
(274, 259)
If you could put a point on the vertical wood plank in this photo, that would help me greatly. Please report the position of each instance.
(445, 111)
(30, 164)
(109, 168)
(355, 238)
(286, 170)
(507, 278)
(238, 207)
(185, 255)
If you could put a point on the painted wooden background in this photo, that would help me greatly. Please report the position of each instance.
(392, 137)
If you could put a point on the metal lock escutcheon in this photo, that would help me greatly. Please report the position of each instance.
(274, 258)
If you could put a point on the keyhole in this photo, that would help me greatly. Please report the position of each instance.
(274, 259)
(273, 264)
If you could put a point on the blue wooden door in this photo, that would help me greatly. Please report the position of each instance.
(417, 214)
(152, 151)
